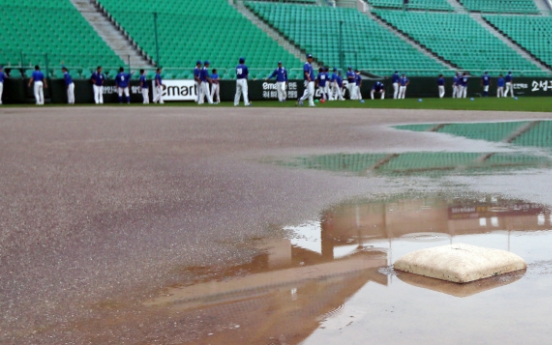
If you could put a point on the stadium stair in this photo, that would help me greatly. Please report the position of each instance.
(502, 6)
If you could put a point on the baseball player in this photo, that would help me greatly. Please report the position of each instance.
(281, 79)
(320, 83)
(339, 82)
(39, 85)
(378, 87)
(395, 80)
(509, 87)
(334, 89)
(500, 86)
(308, 77)
(144, 88)
(69, 85)
(197, 71)
(455, 85)
(358, 84)
(327, 86)
(121, 81)
(441, 86)
(97, 80)
(485, 83)
(403, 83)
(158, 84)
(242, 73)
(204, 80)
(351, 82)
(463, 85)
(215, 86)
(2, 78)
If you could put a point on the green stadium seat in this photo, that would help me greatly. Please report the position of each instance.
(440, 5)
(502, 6)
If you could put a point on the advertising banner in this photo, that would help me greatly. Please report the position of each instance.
(178, 90)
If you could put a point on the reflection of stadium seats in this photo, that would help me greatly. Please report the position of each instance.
(482, 131)
(507, 6)
(367, 44)
(540, 135)
(416, 127)
(531, 32)
(358, 162)
(52, 27)
(459, 39)
(189, 30)
(442, 5)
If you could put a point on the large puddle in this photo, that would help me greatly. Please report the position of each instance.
(331, 282)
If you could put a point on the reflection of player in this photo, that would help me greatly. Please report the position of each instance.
(97, 80)
(403, 83)
(358, 85)
(204, 80)
(215, 86)
(321, 81)
(485, 82)
(351, 82)
(308, 77)
(2, 78)
(197, 70)
(242, 73)
(441, 86)
(39, 85)
(500, 86)
(69, 85)
(281, 79)
(158, 86)
(144, 86)
(463, 85)
(395, 80)
(378, 87)
(121, 81)
(509, 87)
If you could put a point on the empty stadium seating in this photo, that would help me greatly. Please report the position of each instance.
(50, 33)
(189, 30)
(365, 43)
(534, 33)
(461, 40)
(442, 5)
(357, 163)
(502, 6)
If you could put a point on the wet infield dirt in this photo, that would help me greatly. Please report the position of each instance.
(179, 226)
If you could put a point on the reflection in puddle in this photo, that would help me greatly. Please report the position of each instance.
(331, 279)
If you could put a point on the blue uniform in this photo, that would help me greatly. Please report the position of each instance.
(485, 79)
(307, 71)
(441, 81)
(500, 82)
(122, 79)
(339, 80)
(204, 75)
(2, 77)
(395, 78)
(455, 81)
(508, 78)
(241, 71)
(464, 81)
(38, 76)
(143, 82)
(403, 81)
(322, 78)
(351, 76)
(280, 73)
(358, 79)
(67, 78)
(158, 80)
(378, 86)
(215, 78)
(334, 77)
(98, 78)
(197, 72)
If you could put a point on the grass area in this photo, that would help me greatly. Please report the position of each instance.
(531, 104)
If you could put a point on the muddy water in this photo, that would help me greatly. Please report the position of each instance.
(331, 281)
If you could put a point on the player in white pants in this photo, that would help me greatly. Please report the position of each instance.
(39, 85)
(2, 78)
(509, 86)
(358, 85)
(395, 80)
(281, 79)
(403, 83)
(97, 81)
(351, 83)
(158, 87)
(337, 85)
(205, 80)
(215, 86)
(197, 71)
(69, 85)
(500, 86)
(308, 77)
(441, 86)
(456, 85)
(463, 85)
(242, 73)
(378, 87)
(144, 88)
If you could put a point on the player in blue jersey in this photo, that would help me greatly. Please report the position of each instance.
(215, 86)
(378, 87)
(69, 86)
(500, 86)
(351, 82)
(326, 87)
(242, 73)
(320, 83)
(339, 81)
(485, 83)
(308, 78)
(455, 85)
(159, 87)
(509, 86)
(204, 80)
(2, 78)
(197, 71)
(144, 87)
(464, 85)
(97, 79)
(358, 85)
(335, 92)
(39, 85)
(441, 85)
(403, 83)
(395, 80)
(281, 79)
(122, 81)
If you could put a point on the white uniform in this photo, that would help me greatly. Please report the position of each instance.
(281, 90)
(98, 78)
(395, 85)
(358, 94)
(215, 91)
(309, 85)
(241, 85)
(144, 90)
(403, 81)
(336, 92)
(39, 92)
(71, 93)
(204, 92)
(197, 70)
(2, 78)
(509, 88)
(441, 91)
(158, 82)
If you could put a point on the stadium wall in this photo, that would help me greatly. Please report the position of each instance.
(17, 92)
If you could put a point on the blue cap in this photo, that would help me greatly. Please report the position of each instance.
(242, 59)
(334, 69)
(309, 56)
(206, 62)
(509, 72)
(198, 62)
(349, 67)
(396, 71)
(279, 62)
